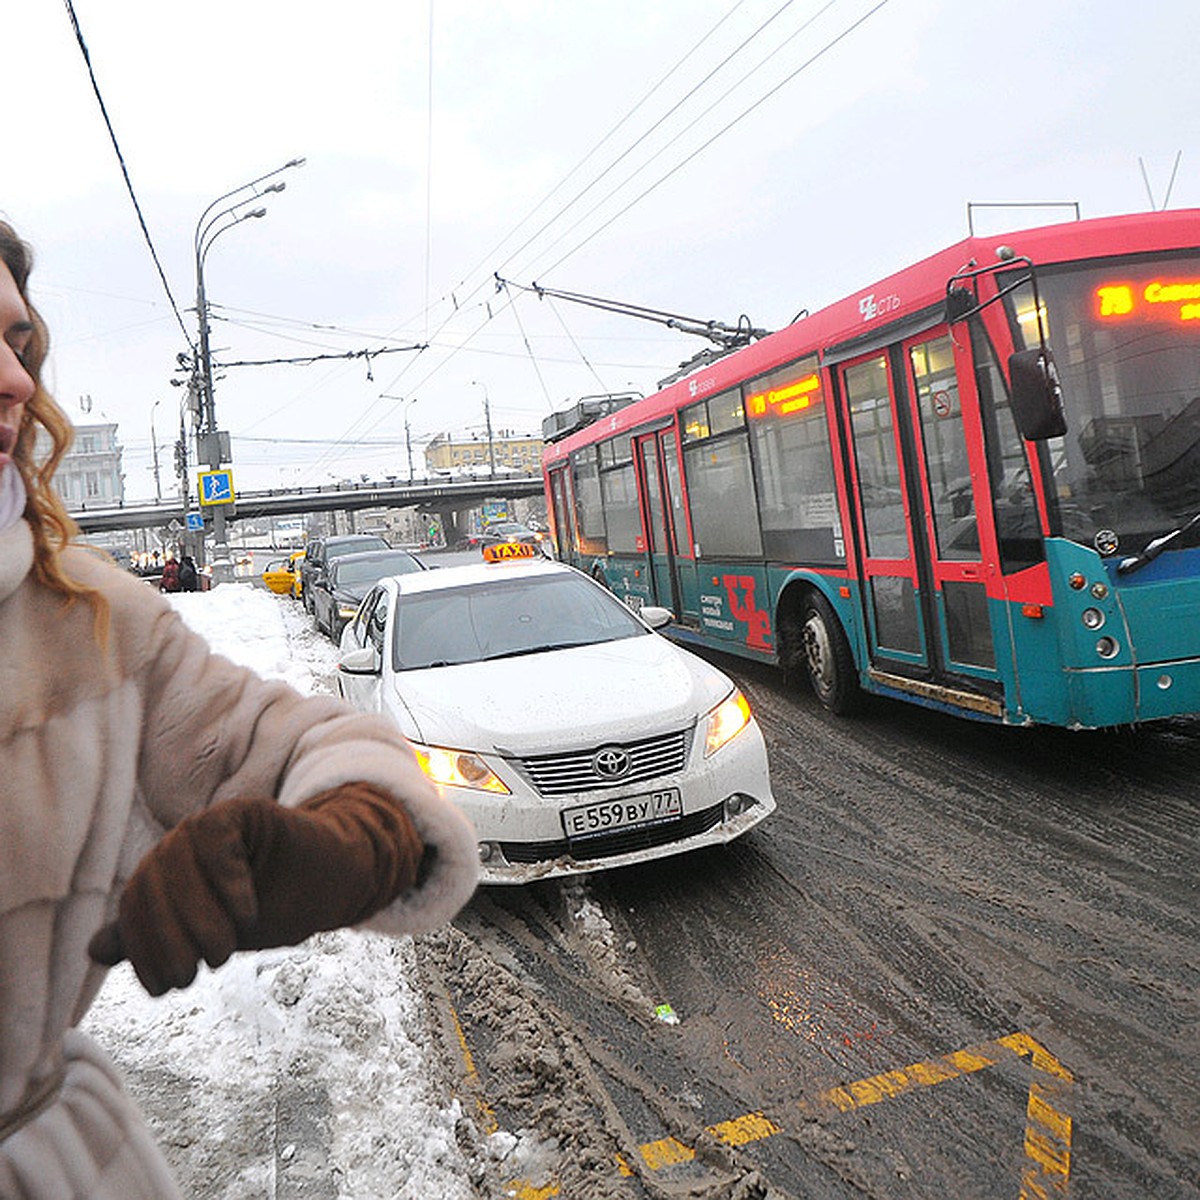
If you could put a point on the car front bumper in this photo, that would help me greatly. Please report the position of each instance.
(522, 836)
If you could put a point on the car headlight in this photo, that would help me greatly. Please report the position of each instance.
(726, 721)
(458, 768)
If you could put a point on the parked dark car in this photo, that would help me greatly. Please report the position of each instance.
(512, 531)
(320, 552)
(338, 593)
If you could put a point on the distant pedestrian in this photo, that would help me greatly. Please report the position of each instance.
(169, 580)
(189, 577)
(161, 805)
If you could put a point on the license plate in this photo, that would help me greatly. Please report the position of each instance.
(592, 820)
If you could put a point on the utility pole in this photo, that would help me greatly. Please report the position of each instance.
(487, 417)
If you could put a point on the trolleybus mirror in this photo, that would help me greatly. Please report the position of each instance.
(1037, 398)
(959, 302)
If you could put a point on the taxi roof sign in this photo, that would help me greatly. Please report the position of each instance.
(504, 550)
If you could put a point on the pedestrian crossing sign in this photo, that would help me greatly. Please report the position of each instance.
(216, 487)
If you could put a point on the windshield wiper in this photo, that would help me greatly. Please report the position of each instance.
(534, 650)
(1136, 561)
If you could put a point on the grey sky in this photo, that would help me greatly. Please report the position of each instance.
(843, 170)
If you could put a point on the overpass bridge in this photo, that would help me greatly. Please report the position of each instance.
(446, 498)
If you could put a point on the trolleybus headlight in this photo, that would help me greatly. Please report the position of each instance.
(1107, 647)
(726, 721)
(1093, 618)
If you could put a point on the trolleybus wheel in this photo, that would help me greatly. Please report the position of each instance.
(827, 657)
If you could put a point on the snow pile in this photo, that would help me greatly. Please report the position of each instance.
(307, 1061)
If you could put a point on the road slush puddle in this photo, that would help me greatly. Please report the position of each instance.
(551, 1116)
(551, 1111)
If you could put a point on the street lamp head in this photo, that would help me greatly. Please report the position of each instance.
(275, 187)
(254, 212)
(296, 162)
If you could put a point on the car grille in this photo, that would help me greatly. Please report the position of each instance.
(563, 774)
(608, 845)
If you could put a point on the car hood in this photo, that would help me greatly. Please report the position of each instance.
(351, 593)
(561, 699)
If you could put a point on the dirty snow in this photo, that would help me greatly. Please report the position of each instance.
(219, 1068)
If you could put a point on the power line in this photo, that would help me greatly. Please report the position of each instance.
(528, 216)
(715, 137)
(137, 208)
(565, 208)
(308, 360)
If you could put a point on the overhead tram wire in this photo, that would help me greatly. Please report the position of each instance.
(721, 132)
(595, 149)
(269, 319)
(533, 359)
(739, 82)
(754, 70)
(578, 349)
(308, 360)
(479, 266)
(663, 119)
(137, 208)
(662, 179)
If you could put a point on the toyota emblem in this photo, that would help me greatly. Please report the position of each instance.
(611, 763)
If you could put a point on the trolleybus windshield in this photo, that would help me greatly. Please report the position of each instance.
(1126, 340)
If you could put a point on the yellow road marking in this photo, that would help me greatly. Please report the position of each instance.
(527, 1191)
(490, 1124)
(753, 1127)
(1048, 1128)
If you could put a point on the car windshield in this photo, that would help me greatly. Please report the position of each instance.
(1125, 337)
(349, 573)
(339, 549)
(506, 617)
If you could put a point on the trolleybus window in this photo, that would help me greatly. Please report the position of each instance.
(1018, 532)
(679, 524)
(1125, 337)
(789, 436)
(945, 445)
(876, 458)
(589, 513)
(720, 483)
(618, 492)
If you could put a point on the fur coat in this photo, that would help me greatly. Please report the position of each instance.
(103, 748)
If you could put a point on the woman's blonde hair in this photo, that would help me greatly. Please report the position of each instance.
(52, 525)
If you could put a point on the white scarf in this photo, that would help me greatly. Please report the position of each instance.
(12, 496)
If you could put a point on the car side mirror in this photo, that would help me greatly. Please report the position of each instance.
(654, 616)
(1037, 398)
(363, 661)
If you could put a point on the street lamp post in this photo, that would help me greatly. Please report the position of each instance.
(208, 229)
(408, 403)
(154, 451)
(487, 417)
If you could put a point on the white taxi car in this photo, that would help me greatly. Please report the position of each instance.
(574, 736)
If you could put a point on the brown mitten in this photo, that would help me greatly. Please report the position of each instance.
(247, 874)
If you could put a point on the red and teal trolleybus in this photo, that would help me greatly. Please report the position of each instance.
(973, 485)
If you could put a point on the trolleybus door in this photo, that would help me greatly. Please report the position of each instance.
(923, 590)
(891, 582)
(564, 521)
(657, 518)
(950, 506)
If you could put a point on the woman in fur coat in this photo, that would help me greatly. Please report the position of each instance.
(159, 804)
